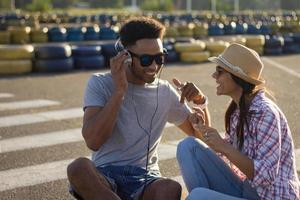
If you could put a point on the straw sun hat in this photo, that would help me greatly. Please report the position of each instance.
(242, 62)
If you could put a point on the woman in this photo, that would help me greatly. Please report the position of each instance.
(256, 160)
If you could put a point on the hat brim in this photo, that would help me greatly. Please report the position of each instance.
(248, 79)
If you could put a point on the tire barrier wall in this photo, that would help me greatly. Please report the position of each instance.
(53, 58)
(15, 59)
(88, 57)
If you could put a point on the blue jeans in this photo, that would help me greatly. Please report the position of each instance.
(126, 181)
(207, 176)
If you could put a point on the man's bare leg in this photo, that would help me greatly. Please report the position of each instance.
(88, 182)
(162, 189)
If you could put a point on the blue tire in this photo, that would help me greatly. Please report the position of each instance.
(89, 62)
(273, 51)
(86, 51)
(172, 56)
(54, 65)
(107, 33)
(272, 42)
(53, 51)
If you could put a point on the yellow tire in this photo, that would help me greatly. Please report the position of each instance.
(200, 30)
(258, 49)
(4, 37)
(171, 32)
(9, 67)
(185, 31)
(190, 47)
(20, 35)
(194, 57)
(39, 36)
(16, 52)
(256, 40)
(216, 46)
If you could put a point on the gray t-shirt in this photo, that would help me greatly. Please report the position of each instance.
(128, 142)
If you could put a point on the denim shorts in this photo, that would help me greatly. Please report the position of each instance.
(126, 181)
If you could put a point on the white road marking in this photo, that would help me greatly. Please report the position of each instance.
(297, 154)
(282, 67)
(33, 175)
(27, 104)
(40, 140)
(16, 120)
(6, 95)
(37, 174)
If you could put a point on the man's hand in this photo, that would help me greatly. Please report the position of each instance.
(197, 120)
(118, 71)
(189, 91)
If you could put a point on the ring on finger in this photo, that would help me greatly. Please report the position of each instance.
(206, 134)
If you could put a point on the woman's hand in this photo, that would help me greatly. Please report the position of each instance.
(118, 71)
(213, 139)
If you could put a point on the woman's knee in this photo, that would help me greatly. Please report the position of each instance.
(186, 146)
(199, 194)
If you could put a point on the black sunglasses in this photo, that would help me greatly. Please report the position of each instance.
(146, 60)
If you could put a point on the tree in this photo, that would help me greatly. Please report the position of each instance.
(5, 4)
(39, 5)
(155, 5)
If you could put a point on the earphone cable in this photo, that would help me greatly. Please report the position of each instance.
(150, 130)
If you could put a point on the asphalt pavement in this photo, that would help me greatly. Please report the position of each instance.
(41, 117)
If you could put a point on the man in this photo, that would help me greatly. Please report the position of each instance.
(125, 112)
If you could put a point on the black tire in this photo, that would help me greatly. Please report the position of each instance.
(53, 51)
(89, 62)
(86, 51)
(273, 42)
(273, 51)
(54, 65)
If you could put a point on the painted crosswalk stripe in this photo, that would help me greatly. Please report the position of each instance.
(27, 104)
(282, 67)
(40, 140)
(47, 139)
(6, 95)
(37, 174)
(297, 154)
(16, 120)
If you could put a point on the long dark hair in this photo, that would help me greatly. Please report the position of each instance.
(248, 93)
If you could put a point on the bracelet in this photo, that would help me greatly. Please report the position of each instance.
(204, 104)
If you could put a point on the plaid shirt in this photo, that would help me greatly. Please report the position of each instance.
(268, 142)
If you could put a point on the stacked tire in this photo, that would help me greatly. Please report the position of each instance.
(4, 37)
(16, 59)
(256, 42)
(215, 48)
(290, 46)
(88, 57)
(57, 34)
(172, 53)
(92, 33)
(171, 32)
(107, 33)
(200, 30)
(20, 35)
(39, 35)
(75, 34)
(192, 52)
(53, 58)
(273, 45)
(186, 30)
